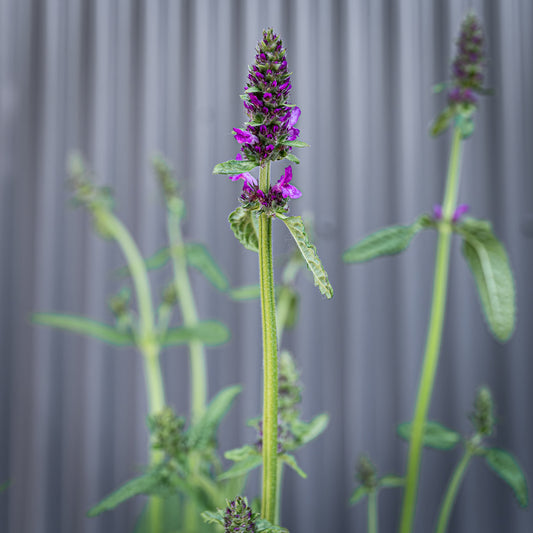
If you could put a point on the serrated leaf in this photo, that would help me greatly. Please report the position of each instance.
(213, 518)
(242, 467)
(305, 432)
(234, 167)
(290, 460)
(198, 256)
(308, 251)
(490, 267)
(209, 332)
(84, 326)
(141, 485)
(435, 435)
(292, 158)
(391, 481)
(204, 431)
(359, 493)
(246, 292)
(238, 454)
(264, 526)
(244, 224)
(506, 466)
(295, 144)
(442, 122)
(155, 261)
(386, 241)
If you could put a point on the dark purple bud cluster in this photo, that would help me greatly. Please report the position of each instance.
(365, 473)
(284, 436)
(467, 67)
(239, 517)
(271, 120)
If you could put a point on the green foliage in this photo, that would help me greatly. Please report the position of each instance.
(490, 267)
(198, 256)
(359, 493)
(295, 144)
(292, 158)
(244, 224)
(234, 167)
(391, 481)
(293, 301)
(246, 292)
(209, 332)
(147, 484)
(305, 432)
(387, 241)
(84, 326)
(442, 122)
(435, 435)
(506, 466)
(157, 260)
(308, 251)
(4, 486)
(290, 460)
(483, 416)
(203, 433)
(261, 525)
(247, 458)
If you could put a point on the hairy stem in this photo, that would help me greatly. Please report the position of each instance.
(198, 367)
(270, 360)
(451, 492)
(434, 336)
(373, 511)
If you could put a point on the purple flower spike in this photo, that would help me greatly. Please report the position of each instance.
(249, 180)
(459, 212)
(437, 212)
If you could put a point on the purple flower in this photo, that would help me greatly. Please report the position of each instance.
(437, 212)
(283, 188)
(249, 180)
(239, 517)
(457, 214)
(271, 119)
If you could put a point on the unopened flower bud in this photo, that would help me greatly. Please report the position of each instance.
(483, 416)
(239, 517)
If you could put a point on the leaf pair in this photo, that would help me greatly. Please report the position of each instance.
(483, 252)
(245, 226)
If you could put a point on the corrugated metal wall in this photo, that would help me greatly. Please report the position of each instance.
(123, 79)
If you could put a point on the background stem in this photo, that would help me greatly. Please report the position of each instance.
(373, 511)
(270, 360)
(451, 492)
(433, 342)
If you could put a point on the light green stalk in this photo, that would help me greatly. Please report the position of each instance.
(433, 342)
(451, 492)
(270, 360)
(146, 340)
(373, 511)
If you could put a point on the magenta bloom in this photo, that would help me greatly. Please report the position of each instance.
(283, 188)
(457, 214)
(244, 136)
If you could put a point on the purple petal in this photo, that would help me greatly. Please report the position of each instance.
(459, 212)
(291, 191)
(246, 176)
(238, 157)
(244, 136)
(294, 116)
(437, 212)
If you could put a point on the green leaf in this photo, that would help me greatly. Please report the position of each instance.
(4, 486)
(506, 466)
(308, 251)
(198, 256)
(242, 467)
(246, 292)
(442, 122)
(264, 526)
(287, 293)
(213, 518)
(307, 431)
(290, 460)
(292, 158)
(238, 454)
(295, 144)
(435, 435)
(84, 326)
(141, 485)
(203, 433)
(489, 265)
(244, 224)
(439, 87)
(155, 261)
(359, 493)
(210, 332)
(234, 167)
(391, 481)
(386, 241)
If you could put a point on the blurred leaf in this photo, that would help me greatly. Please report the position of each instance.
(209, 332)
(141, 485)
(309, 253)
(506, 466)
(203, 433)
(307, 431)
(4, 486)
(290, 460)
(439, 87)
(359, 493)
(391, 481)
(246, 292)
(442, 122)
(155, 261)
(238, 454)
(84, 326)
(242, 467)
(234, 167)
(244, 224)
(295, 144)
(490, 267)
(198, 256)
(292, 158)
(387, 241)
(435, 435)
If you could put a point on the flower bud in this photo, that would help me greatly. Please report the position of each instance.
(483, 416)
(239, 517)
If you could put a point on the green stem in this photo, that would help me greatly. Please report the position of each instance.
(198, 368)
(270, 360)
(373, 511)
(451, 492)
(433, 342)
